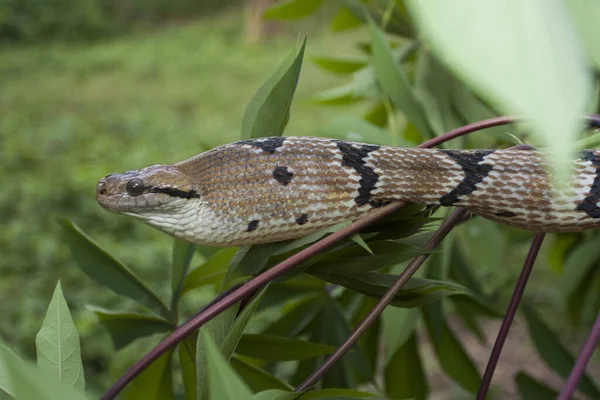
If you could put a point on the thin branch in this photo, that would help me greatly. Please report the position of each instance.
(510, 314)
(456, 216)
(584, 357)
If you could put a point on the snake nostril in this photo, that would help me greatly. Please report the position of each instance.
(102, 191)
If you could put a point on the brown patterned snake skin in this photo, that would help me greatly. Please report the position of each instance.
(272, 189)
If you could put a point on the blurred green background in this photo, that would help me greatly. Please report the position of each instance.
(90, 87)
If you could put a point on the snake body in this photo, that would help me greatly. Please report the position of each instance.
(278, 188)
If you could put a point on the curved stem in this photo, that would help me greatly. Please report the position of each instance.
(584, 357)
(510, 314)
(456, 216)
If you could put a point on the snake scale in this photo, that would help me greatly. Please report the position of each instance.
(278, 188)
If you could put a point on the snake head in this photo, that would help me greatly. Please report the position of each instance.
(143, 192)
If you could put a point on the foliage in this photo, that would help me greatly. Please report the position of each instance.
(35, 20)
(302, 316)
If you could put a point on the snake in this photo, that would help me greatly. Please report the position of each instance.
(279, 188)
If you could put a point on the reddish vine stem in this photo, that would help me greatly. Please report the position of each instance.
(226, 300)
(584, 357)
(456, 216)
(536, 243)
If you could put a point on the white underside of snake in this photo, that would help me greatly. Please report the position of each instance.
(273, 189)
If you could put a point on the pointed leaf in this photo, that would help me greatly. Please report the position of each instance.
(580, 261)
(275, 348)
(292, 9)
(108, 271)
(354, 259)
(357, 130)
(223, 382)
(211, 272)
(404, 374)
(417, 292)
(534, 70)
(344, 20)
(268, 111)
(187, 353)
(237, 329)
(26, 381)
(339, 65)
(126, 327)
(337, 393)
(256, 378)
(155, 382)
(57, 343)
(554, 353)
(394, 83)
(529, 388)
(398, 326)
(276, 394)
(451, 354)
(181, 257)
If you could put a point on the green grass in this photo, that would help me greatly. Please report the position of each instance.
(73, 113)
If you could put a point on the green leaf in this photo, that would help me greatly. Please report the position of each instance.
(292, 9)
(339, 65)
(211, 272)
(276, 348)
(451, 354)
(434, 87)
(108, 271)
(218, 327)
(223, 382)
(338, 393)
(182, 255)
(226, 330)
(393, 80)
(585, 20)
(187, 353)
(578, 265)
(237, 329)
(398, 326)
(276, 394)
(561, 246)
(268, 111)
(357, 130)
(26, 381)
(57, 344)
(417, 292)
(535, 69)
(340, 95)
(344, 20)
(397, 23)
(355, 259)
(249, 260)
(6, 384)
(554, 353)
(529, 388)
(256, 378)
(297, 318)
(155, 382)
(404, 374)
(126, 327)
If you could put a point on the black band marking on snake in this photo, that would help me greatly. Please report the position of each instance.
(590, 204)
(283, 175)
(252, 225)
(268, 145)
(354, 156)
(474, 173)
(506, 214)
(169, 191)
(301, 220)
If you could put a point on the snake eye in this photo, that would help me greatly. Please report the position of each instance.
(135, 187)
